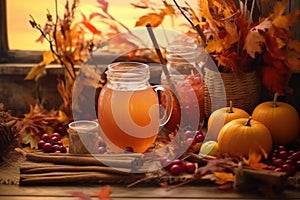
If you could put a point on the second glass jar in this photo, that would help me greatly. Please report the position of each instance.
(185, 80)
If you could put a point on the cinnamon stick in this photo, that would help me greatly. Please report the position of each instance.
(32, 169)
(131, 163)
(75, 178)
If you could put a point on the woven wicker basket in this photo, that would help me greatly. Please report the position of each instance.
(219, 88)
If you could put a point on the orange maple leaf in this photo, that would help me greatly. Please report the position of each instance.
(104, 193)
(254, 159)
(155, 19)
(223, 177)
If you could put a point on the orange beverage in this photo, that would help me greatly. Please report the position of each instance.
(128, 108)
(142, 108)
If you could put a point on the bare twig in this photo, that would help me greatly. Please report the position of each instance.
(196, 27)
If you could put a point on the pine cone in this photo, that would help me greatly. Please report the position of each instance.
(8, 132)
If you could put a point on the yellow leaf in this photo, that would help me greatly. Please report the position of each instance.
(155, 19)
(286, 21)
(214, 46)
(169, 9)
(48, 57)
(36, 71)
(223, 177)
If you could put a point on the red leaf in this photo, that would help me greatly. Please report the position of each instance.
(91, 27)
(213, 165)
(103, 5)
(81, 195)
(274, 80)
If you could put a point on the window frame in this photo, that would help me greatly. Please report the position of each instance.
(13, 56)
(22, 56)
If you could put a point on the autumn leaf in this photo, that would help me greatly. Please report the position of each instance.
(81, 195)
(104, 193)
(280, 7)
(155, 19)
(213, 165)
(39, 69)
(87, 24)
(286, 21)
(254, 159)
(223, 177)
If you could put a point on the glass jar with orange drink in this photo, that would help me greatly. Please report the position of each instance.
(184, 65)
(128, 108)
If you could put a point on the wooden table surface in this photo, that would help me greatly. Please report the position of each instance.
(144, 191)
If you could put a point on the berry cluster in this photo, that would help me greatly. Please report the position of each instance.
(285, 159)
(194, 137)
(177, 166)
(102, 148)
(51, 144)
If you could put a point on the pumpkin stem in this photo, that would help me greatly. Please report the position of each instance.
(230, 107)
(274, 105)
(248, 121)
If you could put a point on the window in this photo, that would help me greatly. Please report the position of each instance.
(19, 45)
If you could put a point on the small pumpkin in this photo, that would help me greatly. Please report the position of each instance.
(209, 148)
(280, 118)
(222, 116)
(240, 136)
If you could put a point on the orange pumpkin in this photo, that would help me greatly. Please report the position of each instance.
(281, 119)
(222, 116)
(240, 136)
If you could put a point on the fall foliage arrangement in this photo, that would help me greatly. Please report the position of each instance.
(239, 41)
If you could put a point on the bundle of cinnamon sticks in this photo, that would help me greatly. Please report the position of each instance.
(41, 168)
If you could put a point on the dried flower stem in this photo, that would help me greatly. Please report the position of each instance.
(196, 27)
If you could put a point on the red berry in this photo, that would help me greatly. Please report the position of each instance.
(102, 150)
(55, 148)
(177, 162)
(166, 163)
(289, 161)
(55, 134)
(199, 133)
(54, 140)
(175, 170)
(278, 169)
(62, 149)
(62, 130)
(291, 152)
(296, 156)
(298, 165)
(281, 148)
(278, 162)
(47, 148)
(128, 150)
(190, 141)
(283, 154)
(199, 138)
(41, 144)
(189, 167)
(289, 169)
(271, 167)
(189, 134)
(46, 137)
